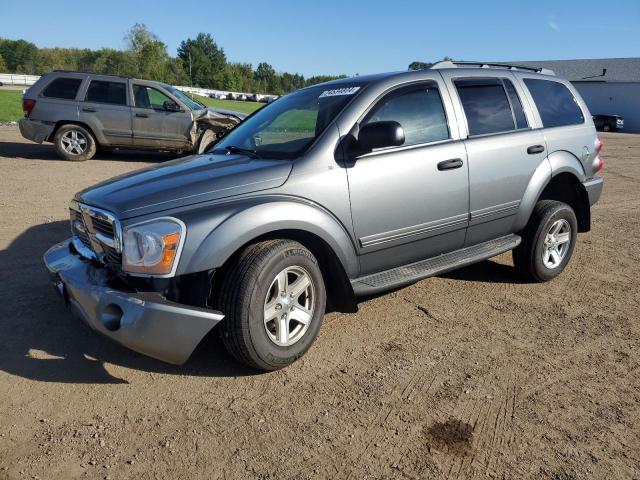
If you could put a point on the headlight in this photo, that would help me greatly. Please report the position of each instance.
(153, 248)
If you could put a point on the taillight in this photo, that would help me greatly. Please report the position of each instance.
(27, 106)
(600, 145)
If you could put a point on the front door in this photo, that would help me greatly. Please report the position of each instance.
(410, 202)
(156, 126)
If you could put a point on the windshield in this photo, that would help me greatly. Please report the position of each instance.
(192, 104)
(288, 126)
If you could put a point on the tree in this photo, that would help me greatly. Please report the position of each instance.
(266, 78)
(203, 60)
(3, 66)
(19, 56)
(150, 53)
(419, 65)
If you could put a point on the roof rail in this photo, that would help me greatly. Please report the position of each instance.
(91, 73)
(455, 64)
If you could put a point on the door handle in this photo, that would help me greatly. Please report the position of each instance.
(88, 109)
(533, 149)
(142, 115)
(450, 164)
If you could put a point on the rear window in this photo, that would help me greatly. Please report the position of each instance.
(66, 88)
(486, 105)
(107, 92)
(556, 104)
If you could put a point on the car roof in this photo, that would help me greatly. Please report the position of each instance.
(461, 68)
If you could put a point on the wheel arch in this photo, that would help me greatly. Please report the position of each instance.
(310, 225)
(61, 123)
(559, 178)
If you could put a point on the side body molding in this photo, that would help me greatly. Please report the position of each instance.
(213, 238)
(556, 163)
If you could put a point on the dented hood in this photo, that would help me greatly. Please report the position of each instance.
(185, 181)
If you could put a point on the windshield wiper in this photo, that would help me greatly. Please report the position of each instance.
(245, 151)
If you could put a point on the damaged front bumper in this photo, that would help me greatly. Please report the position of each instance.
(142, 321)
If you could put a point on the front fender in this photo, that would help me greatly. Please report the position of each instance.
(214, 235)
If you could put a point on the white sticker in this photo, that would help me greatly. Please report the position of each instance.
(339, 91)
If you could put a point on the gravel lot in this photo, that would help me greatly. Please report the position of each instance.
(470, 375)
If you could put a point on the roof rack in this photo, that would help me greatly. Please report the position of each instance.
(91, 73)
(454, 64)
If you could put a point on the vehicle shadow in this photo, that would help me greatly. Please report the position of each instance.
(42, 341)
(45, 151)
(487, 271)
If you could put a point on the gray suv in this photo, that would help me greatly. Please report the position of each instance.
(81, 112)
(333, 192)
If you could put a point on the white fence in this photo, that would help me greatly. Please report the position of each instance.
(17, 79)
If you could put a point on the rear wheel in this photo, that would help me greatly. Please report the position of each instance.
(606, 128)
(75, 143)
(548, 241)
(274, 301)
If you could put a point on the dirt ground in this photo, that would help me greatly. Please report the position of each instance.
(474, 374)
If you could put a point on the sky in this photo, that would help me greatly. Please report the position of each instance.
(343, 37)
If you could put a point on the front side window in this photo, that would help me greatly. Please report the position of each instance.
(65, 88)
(193, 104)
(556, 104)
(287, 127)
(485, 105)
(149, 97)
(107, 92)
(418, 109)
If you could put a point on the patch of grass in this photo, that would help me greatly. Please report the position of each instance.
(10, 105)
(244, 107)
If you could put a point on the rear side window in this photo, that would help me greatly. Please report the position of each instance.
(516, 104)
(418, 109)
(555, 102)
(486, 105)
(107, 92)
(66, 88)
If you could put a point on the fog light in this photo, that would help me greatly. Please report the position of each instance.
(111, 317)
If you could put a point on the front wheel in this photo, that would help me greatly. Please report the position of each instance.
(274, 301)
(548, 241)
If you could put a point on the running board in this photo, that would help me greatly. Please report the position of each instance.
(407, 274)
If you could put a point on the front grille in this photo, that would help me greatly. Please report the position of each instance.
(99, 231)
(78, 227)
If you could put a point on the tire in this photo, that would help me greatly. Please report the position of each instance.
(606, 128)
(207, 139)
(534, 258)
(247, 292)
(84, 147)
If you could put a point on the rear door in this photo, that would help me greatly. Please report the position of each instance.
(105, 107)
(504, 148)
(155, 126)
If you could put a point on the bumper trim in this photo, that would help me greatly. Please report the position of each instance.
(144, 322)
(593, 186)
(34, 130)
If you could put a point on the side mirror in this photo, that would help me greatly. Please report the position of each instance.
(171, 106)
(380, 135)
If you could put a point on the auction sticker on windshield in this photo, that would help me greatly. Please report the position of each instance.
(339, 91)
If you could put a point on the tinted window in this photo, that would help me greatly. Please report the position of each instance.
(149, 97)
(107, 92)
(66, 88)
(555, 103)
(516, 105)
(485, 105)
(418, 109)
